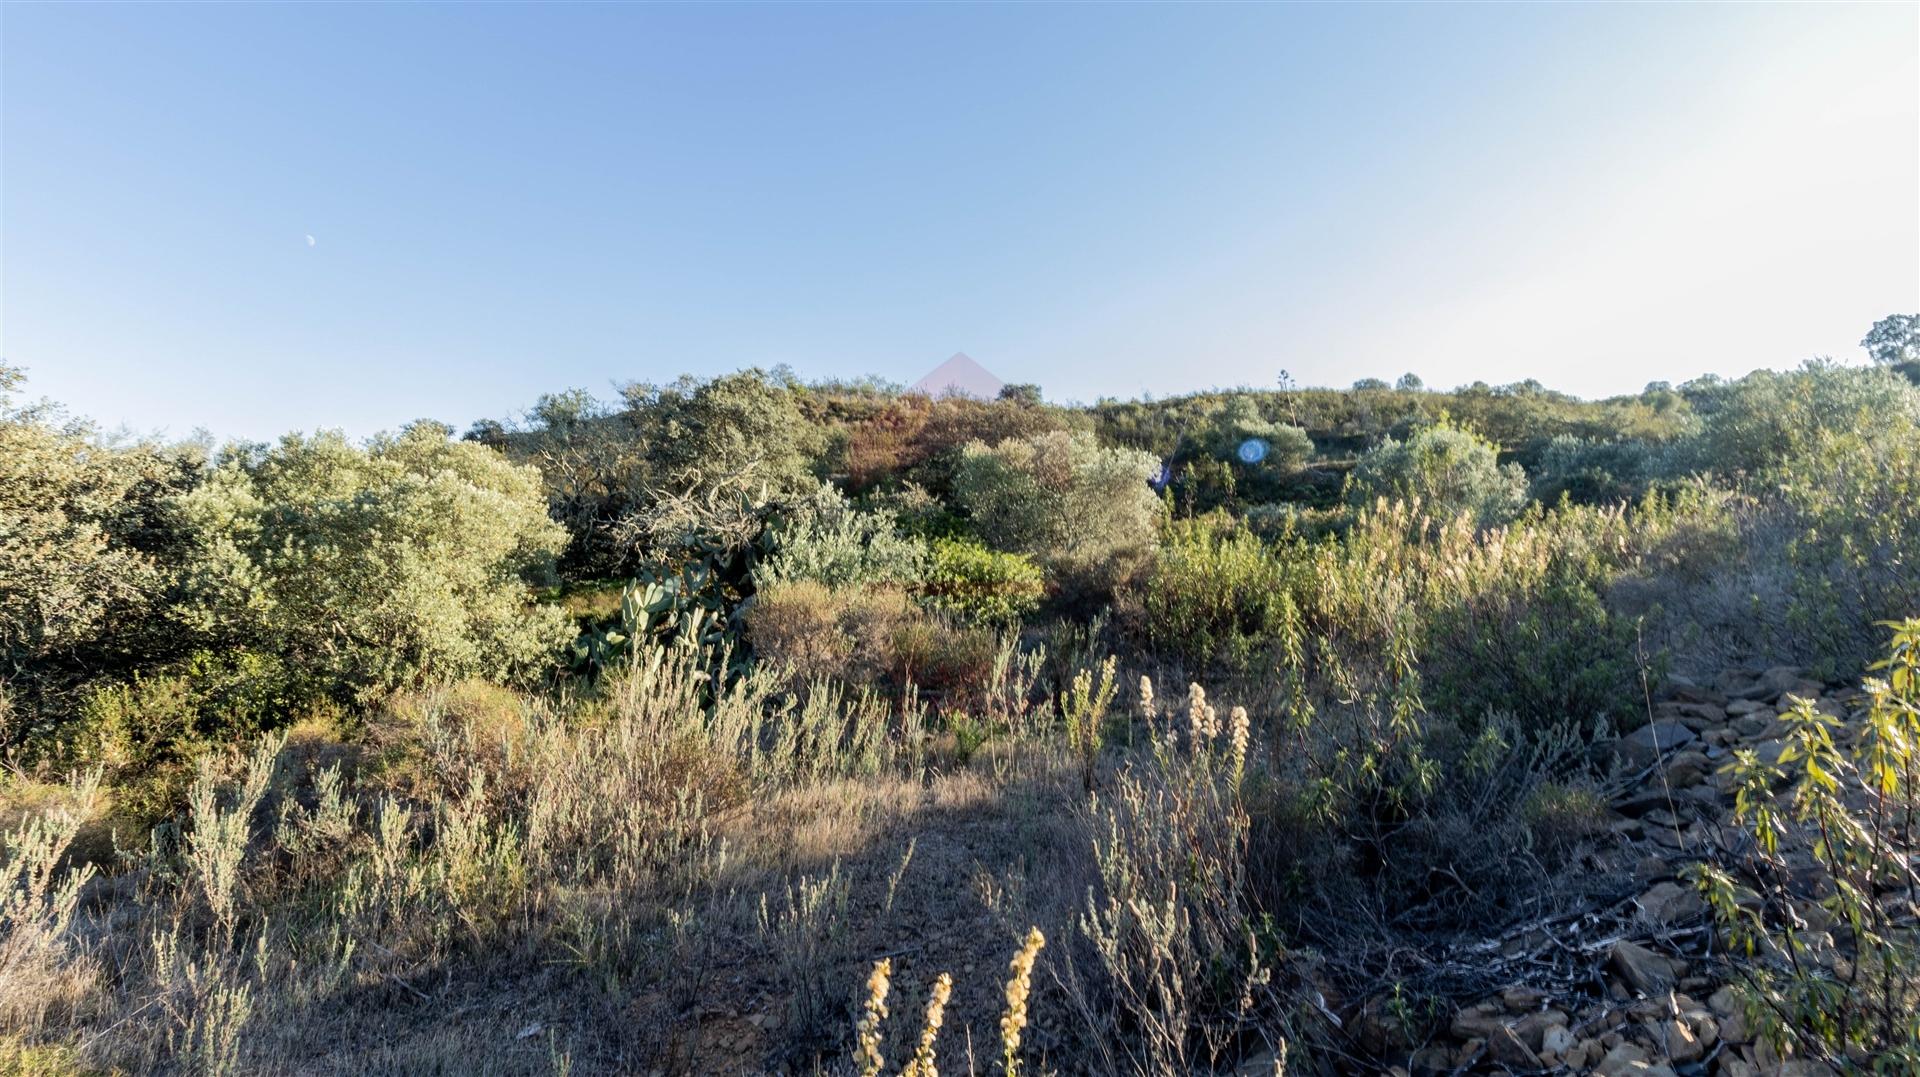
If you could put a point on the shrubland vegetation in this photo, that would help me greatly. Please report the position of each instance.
(683, 732)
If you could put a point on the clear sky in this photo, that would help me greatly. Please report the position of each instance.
(506, 200)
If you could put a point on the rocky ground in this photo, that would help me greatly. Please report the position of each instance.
(1637, 988)
(1630, 983)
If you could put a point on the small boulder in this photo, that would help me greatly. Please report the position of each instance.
(1645, 745)
(1669, 903)
(1504, 1047)
(1674, 1039)
(1644, 971)
(1687, 768)
(1628, 1059)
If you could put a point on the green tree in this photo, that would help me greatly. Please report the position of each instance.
(1894, 339)
(405, 561)
(86, 543)
(701, 433)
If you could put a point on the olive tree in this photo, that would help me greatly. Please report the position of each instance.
(404, 561)
(1449, 470)
(1084, 511)
(85, 537)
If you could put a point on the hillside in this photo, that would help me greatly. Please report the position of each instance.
(748, 726)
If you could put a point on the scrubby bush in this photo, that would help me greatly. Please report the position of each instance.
(88, 547)
(1240, 421)
(1511, 620)
(405, 561)
(798, 626)
(1594, 472)
(1766, 419)
(699, 433)
(827, 540)
(866, 635)
(1216, 594)
(919, 440)
(1444, 468)
(1797, 571)
(1833, 847)
(1852, 504)
(982, 585)
(1083, 511)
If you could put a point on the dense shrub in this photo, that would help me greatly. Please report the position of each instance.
(1766, 419)
(814, 631)
(982, 585)
(1216, 594)
(699, 433)
(405, 561)
(917, 439)
(827, 540)
(1445, 469)
(1240, 421)
(1853, 507)
(1594, 472)
(1798, 570)
(88, 547)
(1511, 620)
(1083, 511)
(173, 712)
(874, 635)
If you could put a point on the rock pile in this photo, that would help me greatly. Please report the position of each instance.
(1652, 1003)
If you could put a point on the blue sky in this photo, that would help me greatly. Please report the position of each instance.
(506, 200)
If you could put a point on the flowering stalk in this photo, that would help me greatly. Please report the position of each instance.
(1018, 987)
(866, 1052)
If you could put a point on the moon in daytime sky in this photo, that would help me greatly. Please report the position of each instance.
(310, 240)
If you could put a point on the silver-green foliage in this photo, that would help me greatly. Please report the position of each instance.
(1447, 470)
(403, 561)
(827, 540)
(1084, 511)
(81, 543)
(1767, 419)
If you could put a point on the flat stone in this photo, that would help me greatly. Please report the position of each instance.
(1477, 1022)
(1642, 969)
(1670, 903)
(1674, 1038)
(1646, 744)
(1630, 1060)
(1504, 1047)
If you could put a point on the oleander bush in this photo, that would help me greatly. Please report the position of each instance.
(1835, 848)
